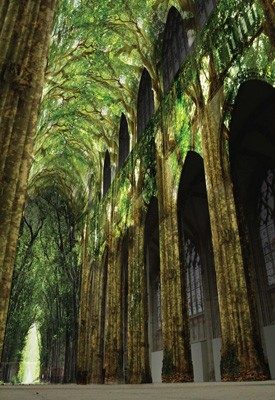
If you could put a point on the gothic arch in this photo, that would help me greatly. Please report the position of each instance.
(145, 102)
(252, 162)
(198, 275)
(124, 141)
(203, 10)
(174, 48)
(106, 172)
(238, 78)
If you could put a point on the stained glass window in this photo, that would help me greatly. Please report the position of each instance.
(158, 301)
(194, 291)
(193, 279)
(156, 314)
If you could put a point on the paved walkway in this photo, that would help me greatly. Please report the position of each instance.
(187, 391)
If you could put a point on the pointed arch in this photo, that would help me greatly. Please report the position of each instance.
(252, 164)
(192, 197)
(145, 102)
(124, 141)
(106, 172)
(203, 10)
(174, 48)
(198, 275)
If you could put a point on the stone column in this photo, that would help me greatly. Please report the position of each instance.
(177, 364)
(241, 356)
(138, 354)
(83, 319)
(113, 337)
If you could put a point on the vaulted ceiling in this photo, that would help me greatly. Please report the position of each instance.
(97, 55)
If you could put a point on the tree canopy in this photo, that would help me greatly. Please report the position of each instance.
(96, 58)
(98, 52)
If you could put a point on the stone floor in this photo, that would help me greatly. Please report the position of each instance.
(187, 391)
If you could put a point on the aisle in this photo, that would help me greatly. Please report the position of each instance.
(188, 391)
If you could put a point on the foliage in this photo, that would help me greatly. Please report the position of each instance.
(97, 55)
(22, 309)
(92, 77)
(46, 278)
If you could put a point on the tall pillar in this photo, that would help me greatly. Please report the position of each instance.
(241, 357)
(138, 352)
(84, 311)
(97, 309)
(177, 363)
(269, 23)
(113, 337)
(25, 32)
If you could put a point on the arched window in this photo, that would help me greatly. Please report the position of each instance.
(194, 286)
(145, 102)
(199, 278)
(175, 47)
(124, 141)
(267, 224)
(252, 161)
(203, 9)
(106, 173)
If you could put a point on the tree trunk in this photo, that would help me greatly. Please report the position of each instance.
(241, 358)
(138, 347)
(83, 345)
(24, 44)
(13, 61)
(97, 303)
(112, 342)
(177, 363)
(269, 24)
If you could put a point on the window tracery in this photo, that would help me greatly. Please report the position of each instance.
(194, 291)
(267, 228)
(156, 313)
